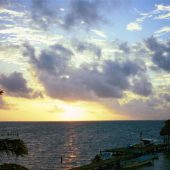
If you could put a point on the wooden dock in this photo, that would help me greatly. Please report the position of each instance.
(120, 154)
(124, 154)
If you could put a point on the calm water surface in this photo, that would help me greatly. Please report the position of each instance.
(78, 142)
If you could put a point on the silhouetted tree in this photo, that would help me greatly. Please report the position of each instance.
(1, 92)
(14, 147)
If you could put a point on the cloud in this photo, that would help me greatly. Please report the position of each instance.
(85, 46)
(99, 33)
(150, 108)
(52, 61)
(166, 97)
(163, 30)
(142, 87)
(134, 26)
(44, 15)
(163, 16)
(161, 7)
(124, 47)
(101, 79)
(147, 109)
(11, 13)
(76, 13)
(91, 12)
(161, 12)
(15, 85)
(5, 3)
(112, 82)
(161, 53)
(80, 11)
(83, 11)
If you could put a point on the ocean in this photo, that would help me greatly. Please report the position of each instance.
(79, 142)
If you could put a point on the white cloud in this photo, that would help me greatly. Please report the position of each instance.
(62, 9)
(11, 12)
(163, 30)
(134, 26)
(163, 16)
(161, 12)
(99, 33)
(160, 7)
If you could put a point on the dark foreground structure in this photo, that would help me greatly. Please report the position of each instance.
(11, 145)
(165, 132)
(135, 155)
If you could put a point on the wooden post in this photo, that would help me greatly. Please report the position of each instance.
(141, 138)
(61, 160)
(164, 139)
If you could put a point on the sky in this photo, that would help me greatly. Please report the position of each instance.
(77, 60)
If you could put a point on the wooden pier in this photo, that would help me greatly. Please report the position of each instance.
(132, 152)
(123, 154)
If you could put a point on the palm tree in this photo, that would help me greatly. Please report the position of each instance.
(165, 132)
(14, 147)
(1, 92)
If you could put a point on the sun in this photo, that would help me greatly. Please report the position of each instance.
(72, 113)
(85, 111)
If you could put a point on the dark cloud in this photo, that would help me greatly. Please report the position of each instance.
(15, 85)
(142, 87)
(62, 80)
(124, 47)
(83, 10)
(43, 15)
(53, 61)
(143, 109)
(166, 97)
(131, 68)
(53, 70)
(79, 12)
(91, 12)
(149, 108)
(117, 77)
(82, 47)
(106, 84)
(5, 3)
(161, 53)
(2, 3)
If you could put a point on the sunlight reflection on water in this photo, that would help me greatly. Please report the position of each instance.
(78, 142)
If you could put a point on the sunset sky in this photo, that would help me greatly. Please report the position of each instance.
(66, 60)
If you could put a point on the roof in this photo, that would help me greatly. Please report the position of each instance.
(166, 129)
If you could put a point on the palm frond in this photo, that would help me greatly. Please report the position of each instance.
(1, 92)
(13, 146)
(6, 166)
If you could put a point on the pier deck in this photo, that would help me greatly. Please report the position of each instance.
(124, 154)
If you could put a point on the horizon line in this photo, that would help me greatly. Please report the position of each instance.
(60, 121)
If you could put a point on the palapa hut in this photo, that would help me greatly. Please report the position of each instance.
(165, 132)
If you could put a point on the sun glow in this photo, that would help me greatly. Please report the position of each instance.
(56, 110)
(72, 113)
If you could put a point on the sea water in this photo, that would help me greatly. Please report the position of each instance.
(78, 142)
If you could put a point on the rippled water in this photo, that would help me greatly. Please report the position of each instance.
(78, 142)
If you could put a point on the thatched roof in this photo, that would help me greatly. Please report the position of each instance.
(166, 129)
(12, 167)
(13, 146)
